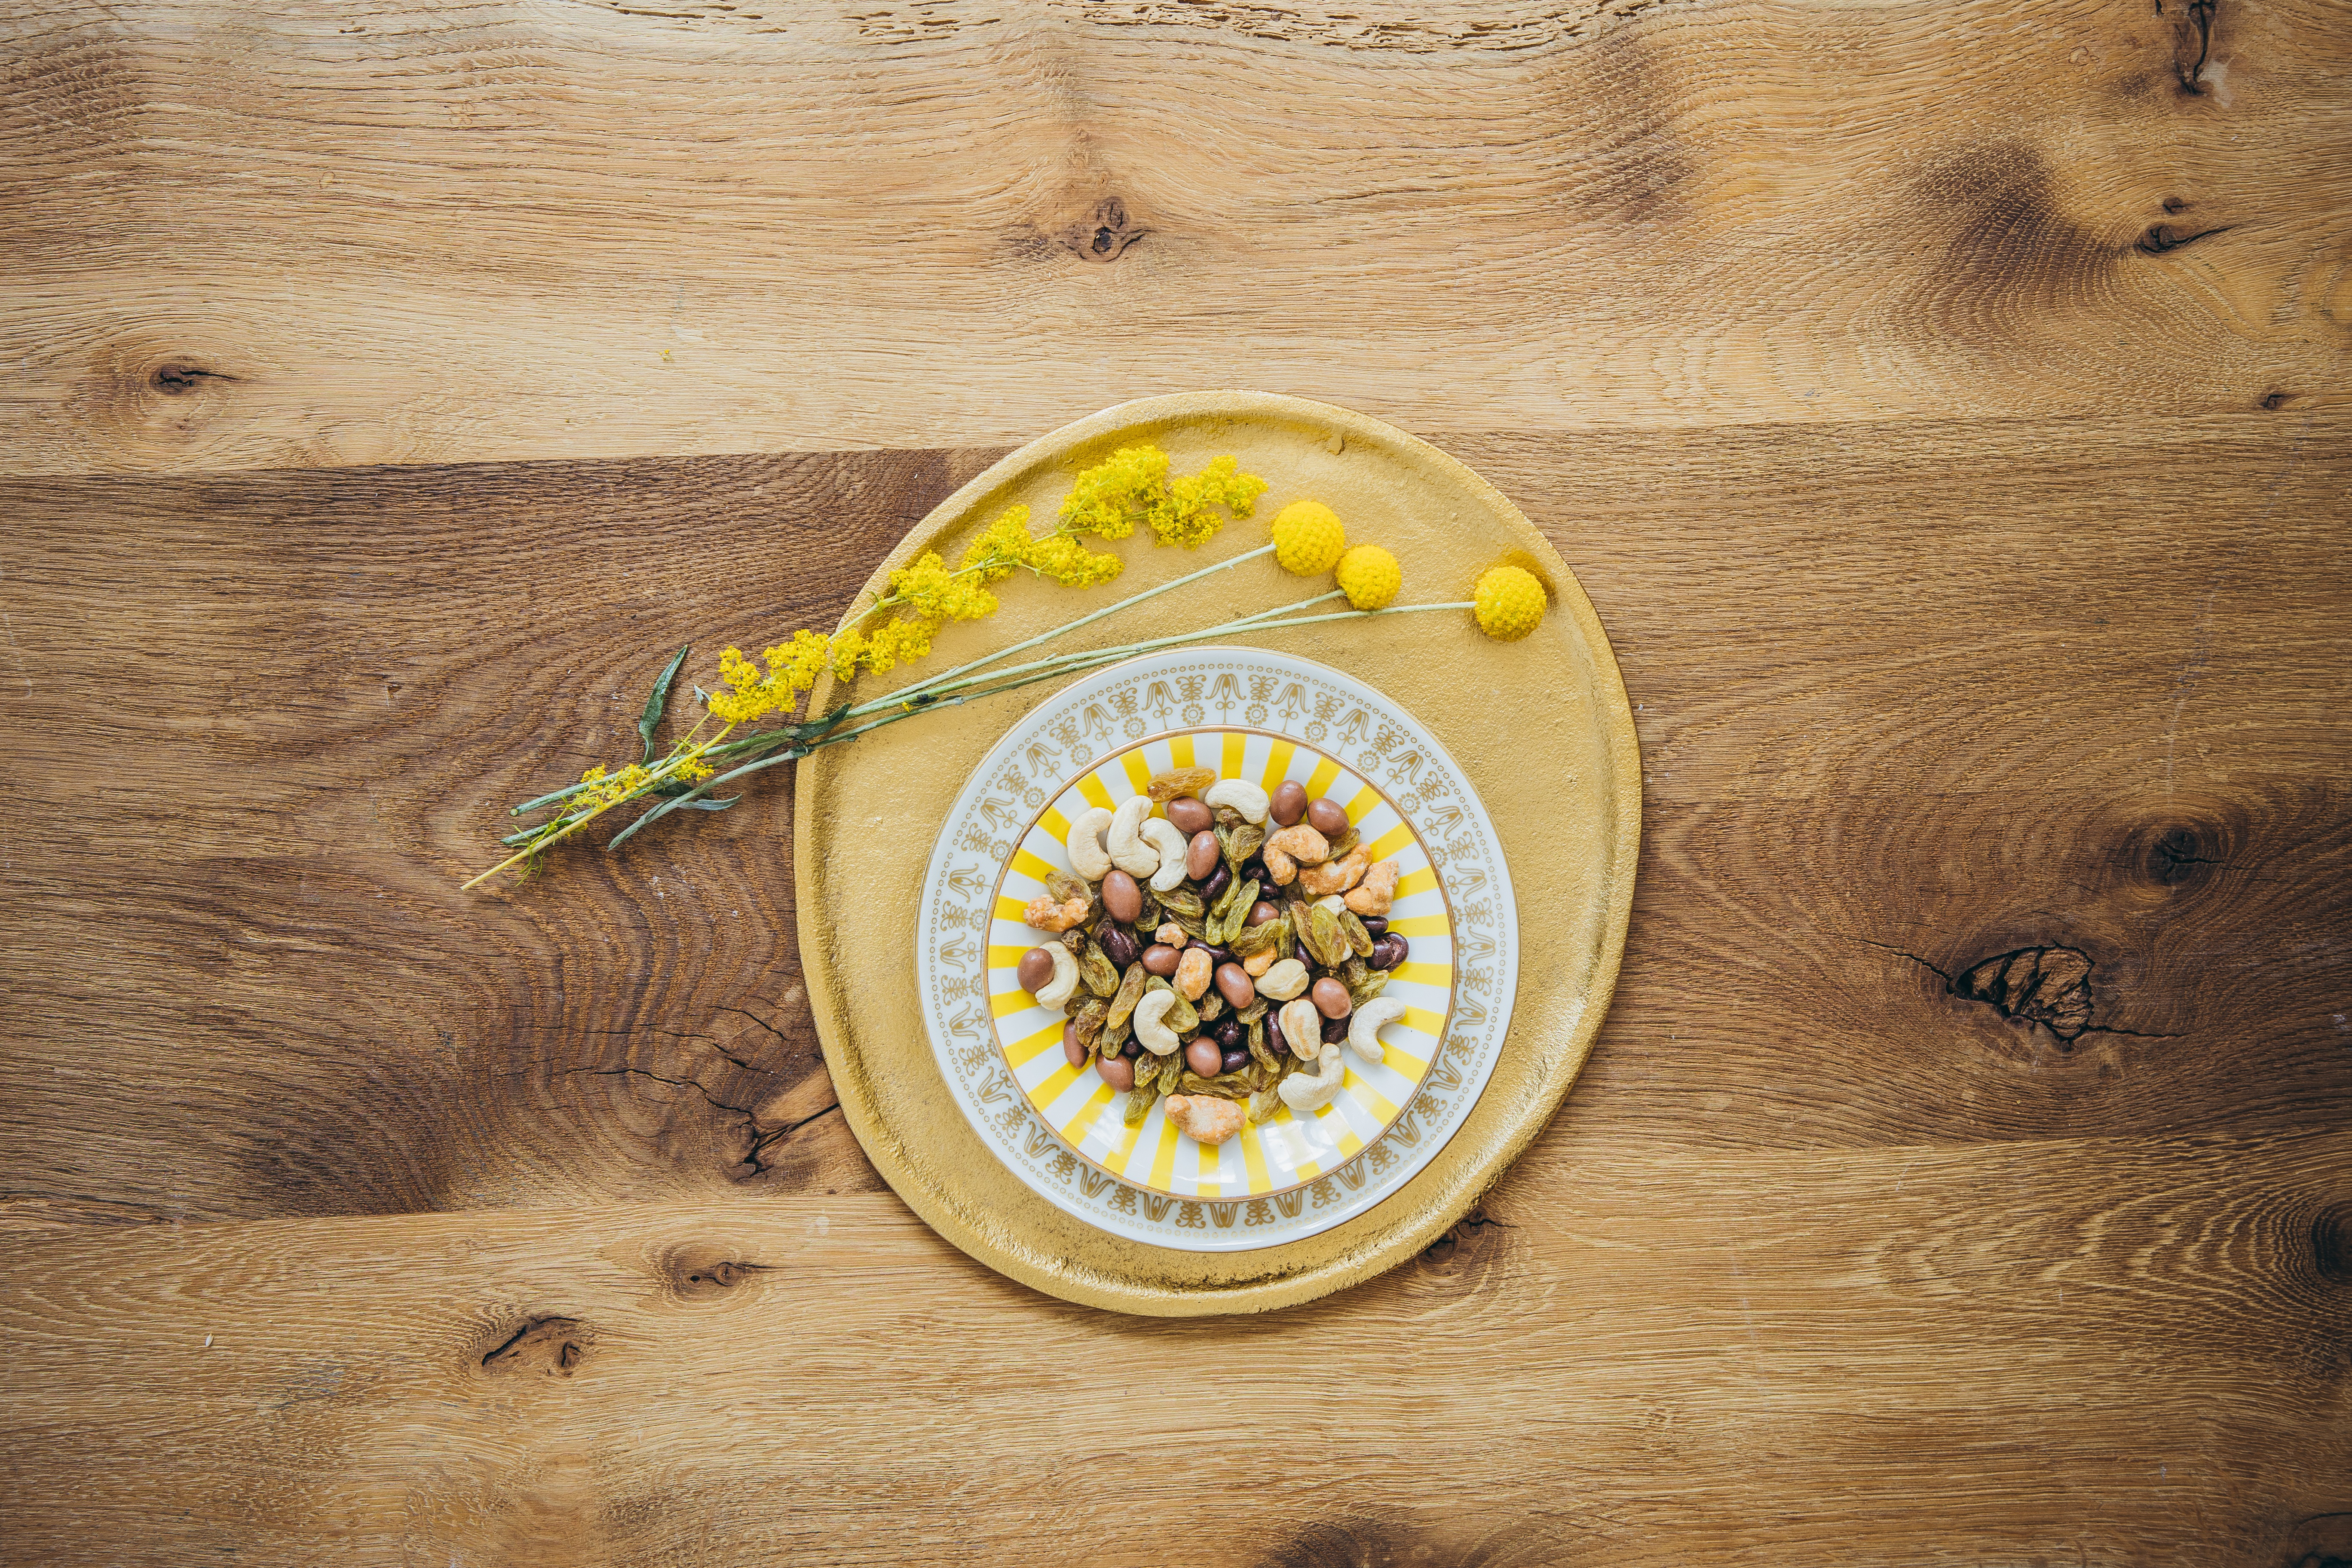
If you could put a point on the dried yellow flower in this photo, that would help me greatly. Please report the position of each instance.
(1510, 603)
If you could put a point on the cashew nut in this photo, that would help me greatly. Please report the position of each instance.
(1129, 852)
(1302, 1025)
(1088, 857)
(1241, 794)
(1205, 1117)
(1045, 914)
(1337, 876)
(1157, 1037)
(1283, 981)
(1056, 992)
(1364, 1028)
(1301, 1092)
(1376, 891)
(1168, 839)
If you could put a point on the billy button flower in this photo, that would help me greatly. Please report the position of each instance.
(1509, 602)
(1308, 538)
(1370, 576)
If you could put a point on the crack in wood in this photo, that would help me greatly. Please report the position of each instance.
(2192, 73)
(2047, 985)
(1105, 236)
(177, 380)
(767, 1141)
(715, 1102)
(555, 1346)
(2044, 985)
(2160, 239)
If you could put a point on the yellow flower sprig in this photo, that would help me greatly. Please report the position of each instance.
(1107, 501)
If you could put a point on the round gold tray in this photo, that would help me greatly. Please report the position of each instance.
(1541, 727)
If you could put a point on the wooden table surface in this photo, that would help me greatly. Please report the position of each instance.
(1945, 405)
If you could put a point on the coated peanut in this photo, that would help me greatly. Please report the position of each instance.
(1204, 1118)
(1044, 913)
(1192, 971)
(1376, 891)
(1336, 876)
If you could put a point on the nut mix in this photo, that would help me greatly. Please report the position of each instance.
(1217, 947)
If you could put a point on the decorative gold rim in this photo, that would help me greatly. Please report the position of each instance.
(1452, 987)
(1130, 1277)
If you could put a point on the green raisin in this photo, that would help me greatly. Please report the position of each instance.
(1130, 992)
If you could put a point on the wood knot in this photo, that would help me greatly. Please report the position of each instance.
(1104, 236)
(2192, 45)
(2161, 239)
(2178, 855)
(2273, 401)
(177, 380)
(553, 1347)
(700, 1272)
(2181, 853)
(2331, 1244)
(1355, 1542)
(2045, 986)
(2318, 1540)
(1460, 1261)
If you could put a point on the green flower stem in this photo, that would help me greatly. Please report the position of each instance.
(994, 683)
(905, 693)
(928, 696)
(999, 681)
(566, 792)
(1079, 663)
(809, 730)
(925, 694)
(562, 828)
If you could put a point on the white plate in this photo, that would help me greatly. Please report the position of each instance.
(1264, 716)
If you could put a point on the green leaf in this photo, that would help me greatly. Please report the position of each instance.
(652, 718)
(710, 804)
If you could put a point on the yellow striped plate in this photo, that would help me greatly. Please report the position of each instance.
(1266, 717)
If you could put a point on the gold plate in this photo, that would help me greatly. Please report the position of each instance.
(1541, 726)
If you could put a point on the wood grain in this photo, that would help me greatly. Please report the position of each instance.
(1943, 406)
(2137, 1354)
(1841, 718)
(367, 234)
